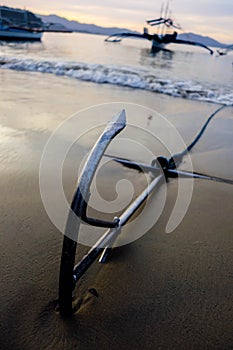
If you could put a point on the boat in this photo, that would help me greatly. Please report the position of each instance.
(17, 24)
(163, 37)
(223, 52)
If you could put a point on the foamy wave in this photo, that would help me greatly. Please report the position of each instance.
(122, 76)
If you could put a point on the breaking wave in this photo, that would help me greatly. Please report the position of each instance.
(123, 76)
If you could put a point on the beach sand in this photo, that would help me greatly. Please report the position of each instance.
(164, 291)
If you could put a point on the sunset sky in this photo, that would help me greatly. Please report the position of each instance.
(207, 17)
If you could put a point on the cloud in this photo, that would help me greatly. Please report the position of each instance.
(204, 7)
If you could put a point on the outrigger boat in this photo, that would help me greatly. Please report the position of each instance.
(224, 51)
(160, 39)
(159, 169)
(17, 24)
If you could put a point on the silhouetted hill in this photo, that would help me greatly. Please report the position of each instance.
(94, 29)
(82, 27)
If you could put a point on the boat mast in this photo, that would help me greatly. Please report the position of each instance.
(165, 17)
(161, 16)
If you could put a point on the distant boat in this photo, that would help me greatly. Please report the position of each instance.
(17, 24)
(162, 38)
(224, 52)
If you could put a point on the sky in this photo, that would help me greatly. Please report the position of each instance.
(206, 17)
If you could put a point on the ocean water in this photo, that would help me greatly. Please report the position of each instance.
(182, 71)
(43, 84)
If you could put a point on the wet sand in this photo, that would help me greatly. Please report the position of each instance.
(164, 291)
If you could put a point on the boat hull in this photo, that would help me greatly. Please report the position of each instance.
(157, 47)
(19, 35)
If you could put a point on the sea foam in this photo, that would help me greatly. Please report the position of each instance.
(132, 77)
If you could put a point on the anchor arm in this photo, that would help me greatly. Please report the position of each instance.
(82, 194)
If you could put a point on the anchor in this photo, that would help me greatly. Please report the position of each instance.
(158, 169)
